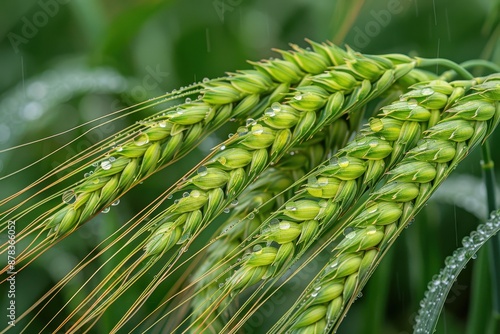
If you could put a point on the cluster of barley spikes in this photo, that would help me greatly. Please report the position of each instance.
(301, 174)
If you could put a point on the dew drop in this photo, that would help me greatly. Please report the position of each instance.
(250, 121)
(223, 147)
(202, 171)
(373, 143)
(141, 139)
(427, 91)
(170, 196)
(257, 249)
(195, 194)
(373, 208)
(291, 206)
(298, 97)
(251, 216)
(69, 197)
(95, 164)
(234, 202)
(119, 149)
(115, 203)
(276, 106)
(162, 124)
(257, 129)
(270, 112)
(106, 210)
(348, 230)
(284, 225)
(188, 100)
(371, 230)
(343, 162)
(112, 159)
(227, 210)
(205, 80)
(106, 165)
(185, 194)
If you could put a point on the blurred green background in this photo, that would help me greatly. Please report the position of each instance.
(66, 62)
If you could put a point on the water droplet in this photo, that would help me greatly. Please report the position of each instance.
(188, 100)
(257, 249)
(270, 112)
(373, 143)
(119, 149)
(170, 196)
(350, 235)
(348, 230)
(343, 162)
(112, 159)
(230, 135)
(205, 80)
(95, 164)
(106, 210)
(251, 216)
(427, 91)
(69, 197)
(371, 230)
(141, 139)
(202, 171)
(284, 225)
(298, 97)
(106, 165)
(291, 206)
(250, 121)
(195, 194)
(373, 208)
(276, 106)
(234, 202)
(257, 129)
(115, 203)
(185, 194)
(223, 147)
(227, 210)
(162, 124)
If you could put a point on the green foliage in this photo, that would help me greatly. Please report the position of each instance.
(92, 58)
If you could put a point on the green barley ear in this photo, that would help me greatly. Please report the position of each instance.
(163, 138)
(375, 225)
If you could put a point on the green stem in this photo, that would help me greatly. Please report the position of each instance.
(494, 245)
(475, 63)
(480, 63)
(423, 62)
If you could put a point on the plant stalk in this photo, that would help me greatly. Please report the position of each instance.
(494, 245)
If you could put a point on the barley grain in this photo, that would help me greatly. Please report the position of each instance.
(372, 234)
